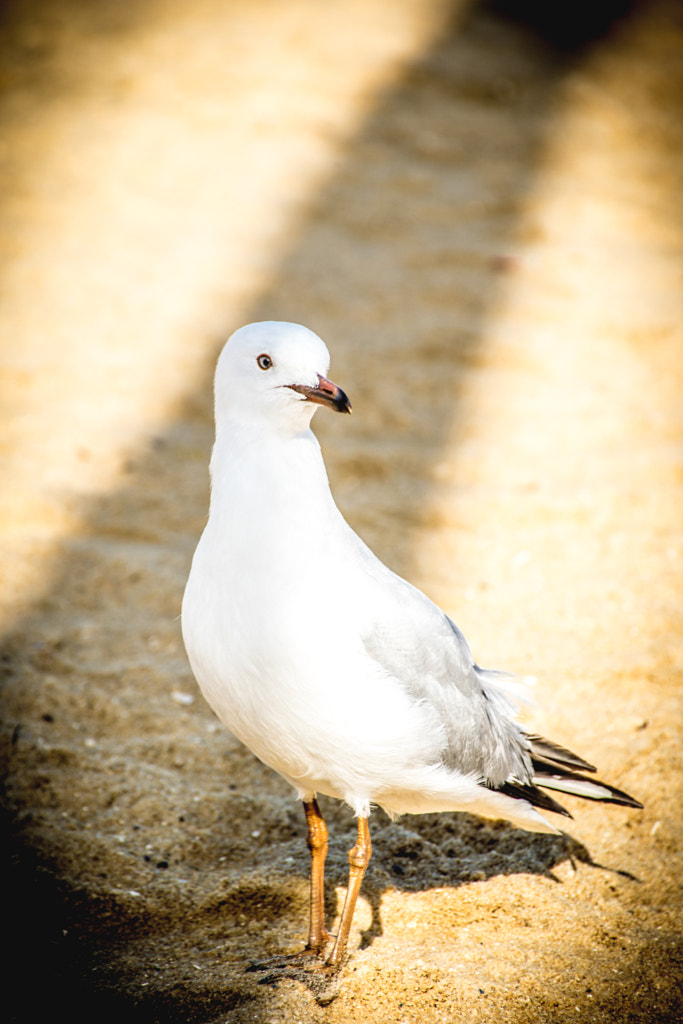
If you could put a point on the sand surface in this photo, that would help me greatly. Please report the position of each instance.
(486, 228)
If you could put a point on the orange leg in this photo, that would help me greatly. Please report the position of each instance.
(316, 841)
(308, 966)
(359, 858)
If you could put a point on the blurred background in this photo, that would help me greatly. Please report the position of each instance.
(478, 206)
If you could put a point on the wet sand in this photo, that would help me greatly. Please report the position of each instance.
(485, 227)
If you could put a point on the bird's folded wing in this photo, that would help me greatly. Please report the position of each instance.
(414, 641)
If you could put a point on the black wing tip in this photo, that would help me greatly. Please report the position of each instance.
(548, 750)
(619, 797)
(615, 796)
(628, 801)
(555, 768)
(533, 795)
(547, 757)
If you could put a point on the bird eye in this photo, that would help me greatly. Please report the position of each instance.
(264, 361)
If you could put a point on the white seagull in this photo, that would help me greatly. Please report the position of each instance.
(335, 672)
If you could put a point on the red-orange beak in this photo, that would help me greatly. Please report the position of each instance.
(326, 393)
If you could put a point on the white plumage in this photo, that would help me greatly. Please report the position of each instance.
(334, 671)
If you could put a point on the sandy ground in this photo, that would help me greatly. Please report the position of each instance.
(486, 228)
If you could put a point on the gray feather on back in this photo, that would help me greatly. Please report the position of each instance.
(424, 650)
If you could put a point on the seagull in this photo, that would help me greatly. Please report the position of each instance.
(333, 670)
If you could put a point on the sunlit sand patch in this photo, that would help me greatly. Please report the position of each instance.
(567, 417)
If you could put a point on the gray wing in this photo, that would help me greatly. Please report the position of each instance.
(411, 638)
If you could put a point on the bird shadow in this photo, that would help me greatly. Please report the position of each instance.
(417, 854)
(448, 850)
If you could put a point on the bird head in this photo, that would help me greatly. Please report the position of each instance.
(275, 373)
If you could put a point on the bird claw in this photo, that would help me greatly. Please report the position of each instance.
(307, 967)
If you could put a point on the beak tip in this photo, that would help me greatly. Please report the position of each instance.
(341, 403)
(326, 393)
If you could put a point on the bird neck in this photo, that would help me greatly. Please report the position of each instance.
(257, 469)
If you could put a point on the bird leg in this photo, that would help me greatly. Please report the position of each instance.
(316, 841)
(308, 967)
(359, 858)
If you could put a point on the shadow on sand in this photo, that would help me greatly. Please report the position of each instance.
(414, 233)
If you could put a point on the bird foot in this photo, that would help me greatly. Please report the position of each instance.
(307, 967)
